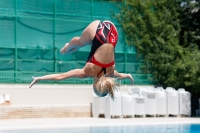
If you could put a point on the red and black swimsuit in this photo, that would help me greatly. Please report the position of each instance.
(106, 33)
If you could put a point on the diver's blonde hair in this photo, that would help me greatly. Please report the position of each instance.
(107, 85)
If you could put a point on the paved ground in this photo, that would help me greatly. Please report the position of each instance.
(75, 122)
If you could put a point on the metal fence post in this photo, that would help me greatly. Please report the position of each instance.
(15, 40)
(91, 10)
(54, 37)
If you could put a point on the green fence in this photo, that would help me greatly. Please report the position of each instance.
(32, 32)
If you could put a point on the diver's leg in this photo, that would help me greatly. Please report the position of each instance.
(85, 39)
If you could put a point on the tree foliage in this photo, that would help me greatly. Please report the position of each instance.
(161, 32)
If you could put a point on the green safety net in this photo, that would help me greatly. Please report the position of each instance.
(33, 32)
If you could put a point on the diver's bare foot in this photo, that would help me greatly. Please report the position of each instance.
(63, 50)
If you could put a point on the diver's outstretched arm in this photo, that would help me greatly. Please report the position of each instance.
(124, 76)
(76, 73)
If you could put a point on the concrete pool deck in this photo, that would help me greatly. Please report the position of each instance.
(11, 124)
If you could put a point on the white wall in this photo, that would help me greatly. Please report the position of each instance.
(49, 94)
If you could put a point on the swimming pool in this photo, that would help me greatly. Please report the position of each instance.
(159, 128)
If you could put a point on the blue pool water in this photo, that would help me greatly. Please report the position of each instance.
(167, 128)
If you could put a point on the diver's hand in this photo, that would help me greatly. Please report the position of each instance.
(131, 78)
(35, 79)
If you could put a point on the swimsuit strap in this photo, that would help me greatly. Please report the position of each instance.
(104, 70)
